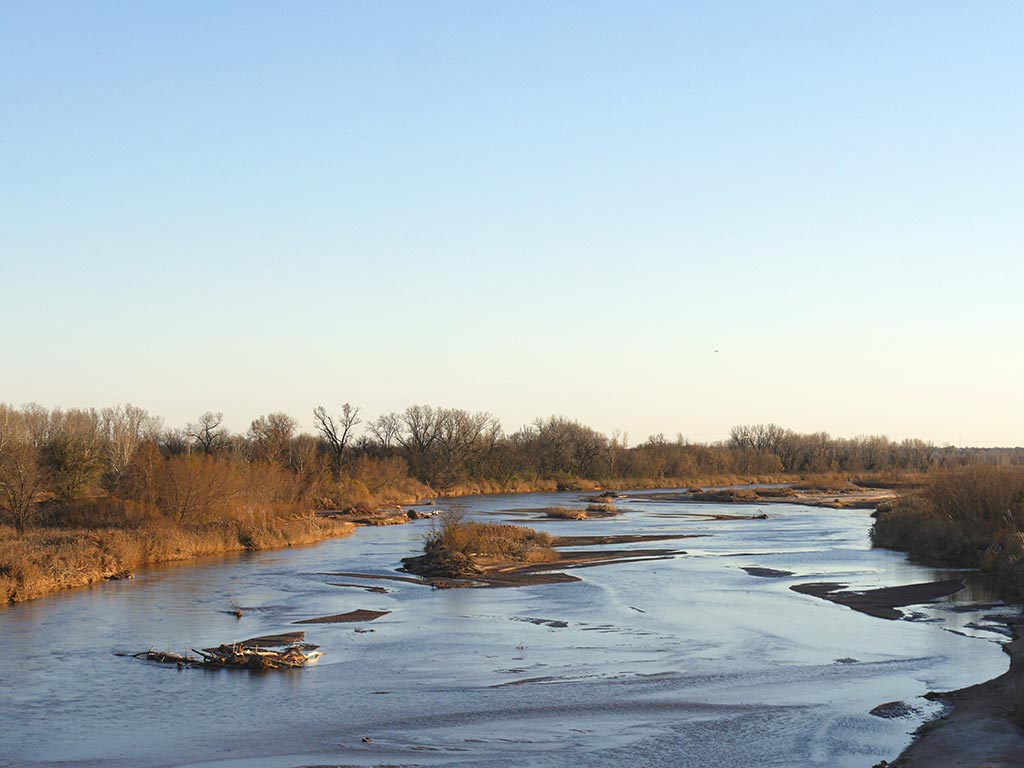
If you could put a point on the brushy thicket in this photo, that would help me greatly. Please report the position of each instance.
(828, 483)
(115, 487)
(565, 513)
(458, 543)
(969, 517)
(87, 495)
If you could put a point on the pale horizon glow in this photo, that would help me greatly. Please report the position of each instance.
(531, 209)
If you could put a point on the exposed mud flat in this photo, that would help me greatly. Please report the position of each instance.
(858, 498)
(766, 573)
(882, 602)
(504, 573)
(364, 587)
(349, 617)
(594, 541)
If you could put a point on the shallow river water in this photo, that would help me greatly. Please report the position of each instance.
(687, 661)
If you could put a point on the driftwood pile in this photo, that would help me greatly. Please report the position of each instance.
(284, 651)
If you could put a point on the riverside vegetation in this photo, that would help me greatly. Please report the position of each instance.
(973, 517)
(91, 494)
(970, 517)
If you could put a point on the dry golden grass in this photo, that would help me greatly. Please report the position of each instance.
(969, 517)
(44, 560)
(825, 484)
(777, 493)
(564, 513)
(455, 536)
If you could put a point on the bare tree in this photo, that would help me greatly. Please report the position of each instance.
(173, 442)
(386, 430)
(420, 423)
(74, 451)
(21, 479)
(196, 488)
(338, 432)
(124, 428)
(271, 436)
(463, 440)
(208, 434)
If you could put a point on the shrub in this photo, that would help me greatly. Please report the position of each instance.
(968, 517)
(564, 513)
(825, 484)
(774, 493)
(456, 536)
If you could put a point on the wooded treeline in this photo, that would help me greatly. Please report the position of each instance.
(66, 460)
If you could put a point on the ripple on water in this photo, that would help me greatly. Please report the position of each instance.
(689, 661)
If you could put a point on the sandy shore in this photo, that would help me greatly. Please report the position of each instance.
(491, 572)
(863, 498)
(981, 729)
(881, 603)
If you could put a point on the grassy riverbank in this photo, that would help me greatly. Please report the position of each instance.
(44, 560)
(205, 506)
(86, 494)
(972, 517)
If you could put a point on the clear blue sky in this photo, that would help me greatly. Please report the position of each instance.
(531, 208)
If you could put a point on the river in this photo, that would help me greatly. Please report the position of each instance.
(687, 661)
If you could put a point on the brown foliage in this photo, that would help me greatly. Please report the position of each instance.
(565, 513)
(455, 536)
(971, 517)
(21, 483)
(43, 560)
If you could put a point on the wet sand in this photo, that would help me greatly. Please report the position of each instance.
(864, 498)
(506, 573)
(594, 541)
(766, 573)
(491, 572)
(358, 615)
(982, 728)
(364, 587)
(882, 603)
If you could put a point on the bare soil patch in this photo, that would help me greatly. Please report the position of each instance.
(767, 573)
(882, 603)
(852, 497)
(346, 618)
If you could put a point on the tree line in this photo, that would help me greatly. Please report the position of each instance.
(203, 470)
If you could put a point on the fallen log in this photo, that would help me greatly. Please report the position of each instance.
(165, 657)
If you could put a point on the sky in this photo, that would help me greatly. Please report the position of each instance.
(656, 217)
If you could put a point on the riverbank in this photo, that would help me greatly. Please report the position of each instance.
(581, 484)
(451, 567)
(846, 497)
(983, 728)
(51, 558)
(969, 517)
(45, 560)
